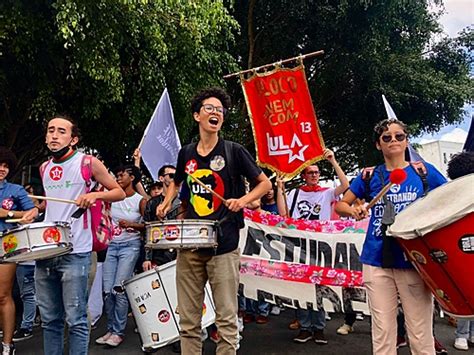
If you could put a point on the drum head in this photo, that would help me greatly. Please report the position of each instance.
(439, 208)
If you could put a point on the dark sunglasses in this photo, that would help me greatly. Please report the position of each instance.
(171, 175)
(387, 138)
(313, 173)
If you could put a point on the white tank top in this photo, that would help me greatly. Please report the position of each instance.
(129, 210)
(64, 180)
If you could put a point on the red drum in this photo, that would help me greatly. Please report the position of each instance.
(437, 234)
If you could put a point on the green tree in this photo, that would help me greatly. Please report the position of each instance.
(105, 62)
(371, 48)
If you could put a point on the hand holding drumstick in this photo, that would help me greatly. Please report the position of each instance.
(233, 204)
(360, 211)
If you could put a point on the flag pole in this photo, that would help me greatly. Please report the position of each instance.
(300, 57)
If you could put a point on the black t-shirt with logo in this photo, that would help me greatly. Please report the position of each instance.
(213, 171)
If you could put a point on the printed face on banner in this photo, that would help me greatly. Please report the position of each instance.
(284, 123)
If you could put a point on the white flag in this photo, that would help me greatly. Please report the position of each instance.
(411, 154)
(388, 108)
(160, 143)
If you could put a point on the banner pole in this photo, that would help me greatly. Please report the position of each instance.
(300, 57)
(279, 181)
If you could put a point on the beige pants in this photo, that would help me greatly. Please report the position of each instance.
(192, 272)
(384, 286)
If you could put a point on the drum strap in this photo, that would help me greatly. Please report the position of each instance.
(293, 203)
(388, 217)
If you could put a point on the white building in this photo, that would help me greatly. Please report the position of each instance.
(440, 152)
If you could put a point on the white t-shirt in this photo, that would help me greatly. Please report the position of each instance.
(312, 205)
(129, 210)
(64, 180)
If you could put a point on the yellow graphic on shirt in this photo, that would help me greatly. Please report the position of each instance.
(204, 202)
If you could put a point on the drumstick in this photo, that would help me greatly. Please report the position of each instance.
(13, 220)
(55, 199)
(208, 189)
(397, 176)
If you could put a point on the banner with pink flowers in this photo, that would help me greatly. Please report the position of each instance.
(302, 263)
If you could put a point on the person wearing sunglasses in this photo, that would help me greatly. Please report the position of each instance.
(160, 256)
(388, 275)
(312, 202)
(220, 165)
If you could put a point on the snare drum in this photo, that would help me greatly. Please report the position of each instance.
(182, 234)
(36, 241)
(437, 234)
(154, 302)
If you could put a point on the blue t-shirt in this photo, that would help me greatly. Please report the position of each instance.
(13, 198)
(272, 208)
(401, 196)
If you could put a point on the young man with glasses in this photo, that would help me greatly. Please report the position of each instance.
(388, 274)
(207, 161)
(311, 202)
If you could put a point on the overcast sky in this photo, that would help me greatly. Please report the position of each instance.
(459, 14)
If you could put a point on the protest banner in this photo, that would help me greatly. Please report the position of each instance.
(284, 124)
(301, 263)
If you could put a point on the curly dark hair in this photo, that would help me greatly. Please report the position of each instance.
(7, 156)
(218, 93)
(382, 127)
(131, 170)
(461, 164)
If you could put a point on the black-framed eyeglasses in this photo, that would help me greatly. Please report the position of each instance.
(387, 138)
(211, 108)
(171, 175)
(313, 173)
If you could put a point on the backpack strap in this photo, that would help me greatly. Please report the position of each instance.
(43, 167)
(422, 172)
(229, 151)
(238, 184)
(86, 172)
(367, 174)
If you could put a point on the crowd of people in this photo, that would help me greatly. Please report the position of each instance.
(59, 286)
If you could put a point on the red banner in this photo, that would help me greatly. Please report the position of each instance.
(284, 123)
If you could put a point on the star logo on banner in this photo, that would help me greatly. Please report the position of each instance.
(278, 147)
(299, 155)
(190, 166)
(56, 173)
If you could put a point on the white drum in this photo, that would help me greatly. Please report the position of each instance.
(36, 241)
(154, 302)
(182, 234)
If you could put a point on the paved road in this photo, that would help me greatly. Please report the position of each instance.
(273, 339)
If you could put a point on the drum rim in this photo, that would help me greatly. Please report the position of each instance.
(66, 249)
(35, 225)
(409, 232)
(183, 221)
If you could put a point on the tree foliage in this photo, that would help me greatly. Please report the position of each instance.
(371, 48)
(105, 62)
